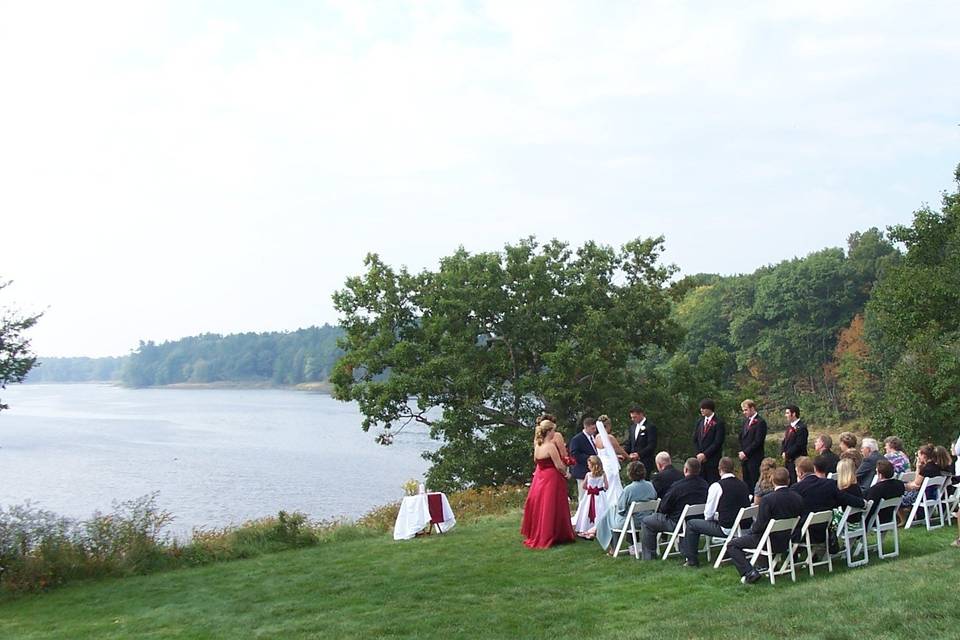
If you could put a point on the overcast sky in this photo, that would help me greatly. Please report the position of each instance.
(168, 169)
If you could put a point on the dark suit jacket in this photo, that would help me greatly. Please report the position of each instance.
(795, 444)
(692, 490)
(709, 442)
(777, 505)
(580, 448)
(646, 445)
(833, 460)
(867, 469)
(665, 479)
(881, 491)
(751, 440)
(822, 494)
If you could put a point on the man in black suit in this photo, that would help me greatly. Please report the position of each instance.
(868, 468)
(823, 445)
(724, 501)
(779, 504)
(794, 440)
(708, 440)
(820, 494)
(582, 447)
(887, 487)
(666, 474)
(641, 438)
(753, 434)
(692, 489)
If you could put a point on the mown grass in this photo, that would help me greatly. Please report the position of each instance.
(480, 581)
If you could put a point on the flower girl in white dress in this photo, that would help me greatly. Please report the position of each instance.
(594, 503)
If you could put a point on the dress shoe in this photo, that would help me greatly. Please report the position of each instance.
(750, 578)
(692, 565)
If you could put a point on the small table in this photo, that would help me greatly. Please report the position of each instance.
(417, 512)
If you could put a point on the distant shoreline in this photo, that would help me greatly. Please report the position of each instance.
(310, 387)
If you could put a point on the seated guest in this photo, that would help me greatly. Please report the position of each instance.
(823, 446)
(725, 498)
(639, 490)
(820, 494)
(692, 489)
(887, 487)
(943, 460)
(926, 468)
(868, 468)
(765, 483)
(780, 504)
(666, 474)
(893, 451)
(848, 447)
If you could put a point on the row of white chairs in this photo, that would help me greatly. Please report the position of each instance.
(851, 532)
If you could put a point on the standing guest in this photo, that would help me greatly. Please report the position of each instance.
(724, 501)
(893, 451)
(639, 490)
(823, 445)
(820, 494)
(794, 440)
(765, 483)
(641, 438)
(868, 468)
(708, 440)
(546, 512)
(887, 487)
(777, 505)
(753, 434)
(581, 448)
(666, 474)
(692, 489)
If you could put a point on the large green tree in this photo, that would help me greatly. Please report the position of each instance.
(16, 358)
(477, 348)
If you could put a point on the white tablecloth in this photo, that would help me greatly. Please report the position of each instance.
(414, 516)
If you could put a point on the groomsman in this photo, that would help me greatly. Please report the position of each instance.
(582, 447)
(641, 438)
(753, 434)
(708, 440)
(794, 440)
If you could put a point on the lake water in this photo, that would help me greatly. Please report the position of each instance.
(217, 457)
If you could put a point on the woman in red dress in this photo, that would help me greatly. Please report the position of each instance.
(546, 514)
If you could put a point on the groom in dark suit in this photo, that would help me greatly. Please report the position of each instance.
(708, 440)
(582, 447)
(753, 434)
(641, 438)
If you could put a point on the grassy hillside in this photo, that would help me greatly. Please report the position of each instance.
(479, 581)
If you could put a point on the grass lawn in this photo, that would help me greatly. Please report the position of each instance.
(479, 581)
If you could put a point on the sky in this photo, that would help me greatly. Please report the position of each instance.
(169, 169)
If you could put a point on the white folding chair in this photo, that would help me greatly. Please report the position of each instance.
(639, 507)
(745, 513)
(879, 527)
(813, 519)
(765, 548)
(928, 504)
(849, 532)
(832, 476)
(673, 541)
(876, 478)
(908, 476)
(948, 498)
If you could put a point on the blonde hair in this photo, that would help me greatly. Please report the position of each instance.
(767, 467)
(595, 465)
(543, 428)
(846, 473)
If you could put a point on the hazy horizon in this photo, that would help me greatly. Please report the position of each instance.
(175, 168)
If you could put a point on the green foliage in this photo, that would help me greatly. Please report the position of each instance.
(477, 348)
(305, 355)
(76, 370)
(16, 357)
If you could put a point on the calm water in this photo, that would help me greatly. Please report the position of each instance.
(216, 456)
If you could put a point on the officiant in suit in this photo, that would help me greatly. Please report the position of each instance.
(708, 440)
(641, 438)
(753, 434)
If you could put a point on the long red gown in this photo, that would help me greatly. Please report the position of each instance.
(546, 514)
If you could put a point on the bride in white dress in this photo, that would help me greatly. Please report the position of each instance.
(607, 450)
